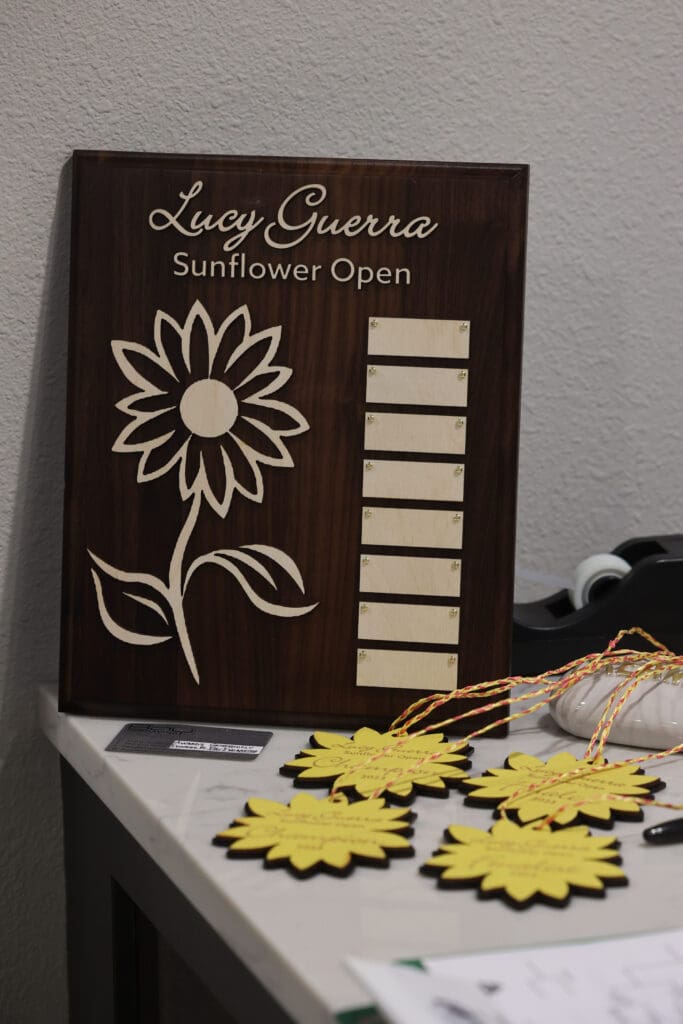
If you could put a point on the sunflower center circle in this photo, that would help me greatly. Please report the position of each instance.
(208, 408)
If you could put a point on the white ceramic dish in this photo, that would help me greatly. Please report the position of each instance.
(652, 716)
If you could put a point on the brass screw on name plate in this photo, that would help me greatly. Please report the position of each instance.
(463, 327)
(362, 655)
(462, 375)
(458, 471)
(369, 465)
(369, 418)
(452, 659)
(457, 517)
(459, 423)
(455, 566)
(374, 323)
(372, 370)
(367, 512)
(453, 612)
(363, 609)
(365, 560)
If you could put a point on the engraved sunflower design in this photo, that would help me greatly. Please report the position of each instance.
(204, 404)
(523, 863)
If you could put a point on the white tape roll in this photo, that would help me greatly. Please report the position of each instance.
(593, 571)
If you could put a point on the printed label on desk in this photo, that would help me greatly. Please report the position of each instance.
(184, 740)
(216, 748)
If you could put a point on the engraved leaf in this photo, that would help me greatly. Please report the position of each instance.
(142, 589)
(130, 577)
(147, 602)
(283, 560)
(232, 560)
(253, 563)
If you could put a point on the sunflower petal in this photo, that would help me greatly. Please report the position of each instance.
(217, 476)
(281, 417)
(198, 342)
(145, 369)
(336, 855)
(219, 498)
(231, 334)
(248, 476)
(266, 443)
(253, 356)
(146, 402)
(168, 338)
(156, 462)
(262, 384)
(330, 739)
(146, 431)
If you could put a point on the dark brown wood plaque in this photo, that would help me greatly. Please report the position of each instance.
(292, 435)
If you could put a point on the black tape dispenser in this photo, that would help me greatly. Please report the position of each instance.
(640, 583)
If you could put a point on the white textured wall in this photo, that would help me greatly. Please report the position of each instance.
(588, 93)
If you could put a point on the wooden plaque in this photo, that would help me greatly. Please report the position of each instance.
(292, 435)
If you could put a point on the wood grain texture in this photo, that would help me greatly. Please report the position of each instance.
(254, 666)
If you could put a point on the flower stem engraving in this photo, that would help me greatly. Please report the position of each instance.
(204, 406)
(175, 584)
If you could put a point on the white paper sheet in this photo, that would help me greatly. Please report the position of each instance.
(636, 980)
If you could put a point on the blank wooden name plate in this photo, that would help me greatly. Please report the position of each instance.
(292, 435)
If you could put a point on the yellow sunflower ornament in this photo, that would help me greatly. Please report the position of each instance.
(565, 788)
(371, 762)
(523, 863)
(310, 835)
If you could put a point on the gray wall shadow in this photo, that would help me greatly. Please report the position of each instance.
(32, 936)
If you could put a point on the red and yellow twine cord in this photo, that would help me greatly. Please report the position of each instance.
(548, 686)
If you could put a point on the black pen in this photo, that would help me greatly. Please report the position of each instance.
(665, 832)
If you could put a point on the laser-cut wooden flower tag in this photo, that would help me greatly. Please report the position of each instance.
(311, 834)
(596, 796)
(367, 763)
(523, 864)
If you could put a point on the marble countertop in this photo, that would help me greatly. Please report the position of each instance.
(294, 935)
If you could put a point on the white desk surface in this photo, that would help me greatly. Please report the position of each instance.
(294, 935)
